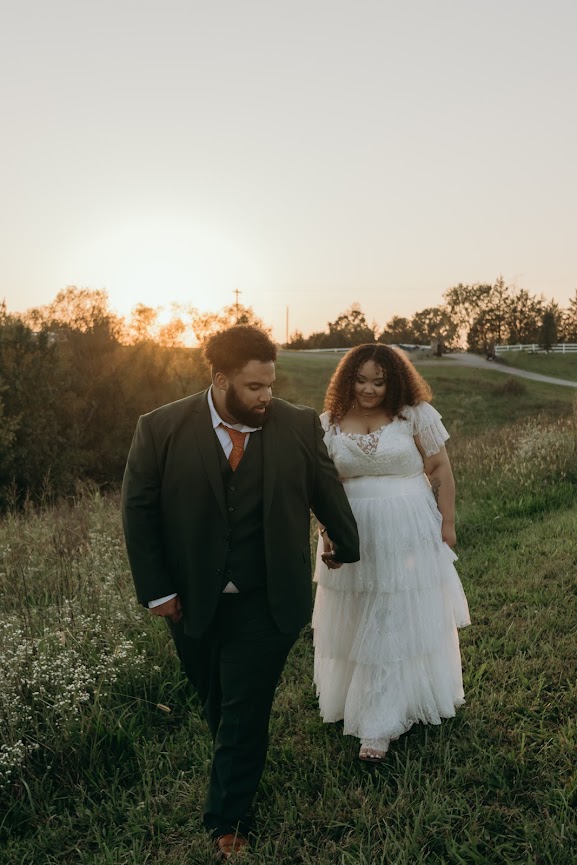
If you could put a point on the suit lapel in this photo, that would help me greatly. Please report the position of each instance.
(207, 446)
(270, 443)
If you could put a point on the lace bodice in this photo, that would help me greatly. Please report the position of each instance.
(390, 450)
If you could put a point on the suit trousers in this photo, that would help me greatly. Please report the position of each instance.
(235, 668)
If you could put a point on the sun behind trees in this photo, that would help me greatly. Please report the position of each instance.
(74, 377)
(87, 311)
(187, 326)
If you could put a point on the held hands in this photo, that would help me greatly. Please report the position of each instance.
(328, 553)
(171, 610)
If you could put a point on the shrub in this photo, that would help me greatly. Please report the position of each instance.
(510, 387)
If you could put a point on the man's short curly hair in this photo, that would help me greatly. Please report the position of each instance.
(404, 385)
(230, 350)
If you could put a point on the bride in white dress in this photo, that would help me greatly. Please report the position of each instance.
(385, 628)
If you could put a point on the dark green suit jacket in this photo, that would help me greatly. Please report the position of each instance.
(175, 518)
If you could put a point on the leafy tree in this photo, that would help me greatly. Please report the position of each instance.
(481, 335)
(298, 341)
(493, 313)
(143, 323)
(569, 321)
(144, 326)
(84, 310)
(480, 311)
(172, 333)
(524, 316)
(31, 441)
(435, 325)
(8, 429)
(317, 339)
(548, 330)
(489, 328)
(204, 324)
(398, 330)
(466, 302)
(349, 329)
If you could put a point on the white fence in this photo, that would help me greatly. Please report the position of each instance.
(561, 348)
(404, 346)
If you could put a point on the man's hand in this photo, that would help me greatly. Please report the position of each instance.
(169, 610)
(330, 561)
(328, 553)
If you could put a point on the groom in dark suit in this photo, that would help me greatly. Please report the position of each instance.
(216, 509)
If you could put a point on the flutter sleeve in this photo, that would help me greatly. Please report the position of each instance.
(328, 427)
(426, 423)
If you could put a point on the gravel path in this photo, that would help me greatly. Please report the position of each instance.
(464, 358)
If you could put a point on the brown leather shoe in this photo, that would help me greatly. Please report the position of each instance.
(230, 844)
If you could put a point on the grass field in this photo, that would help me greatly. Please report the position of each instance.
(556, 364)
(105, 758)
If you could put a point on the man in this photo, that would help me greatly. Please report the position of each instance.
(216, 508)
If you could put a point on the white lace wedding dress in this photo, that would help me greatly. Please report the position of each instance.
(385, 628)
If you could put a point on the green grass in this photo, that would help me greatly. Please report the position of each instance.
(122, 781)
(302, 377)
(555, 364)
(495, 785)
(472, 400)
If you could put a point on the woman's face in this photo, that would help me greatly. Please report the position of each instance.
(370, 385)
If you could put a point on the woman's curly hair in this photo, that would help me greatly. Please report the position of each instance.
(404, 385)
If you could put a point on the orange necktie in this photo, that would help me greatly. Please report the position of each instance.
(237, 438)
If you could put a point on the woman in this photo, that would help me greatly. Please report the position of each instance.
(385, 628)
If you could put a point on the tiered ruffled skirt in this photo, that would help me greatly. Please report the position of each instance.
(385, 628)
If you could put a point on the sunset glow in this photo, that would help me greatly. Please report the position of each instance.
(161, 259)
(332, 154)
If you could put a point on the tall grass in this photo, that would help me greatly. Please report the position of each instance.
(104, 757)
(67, 611)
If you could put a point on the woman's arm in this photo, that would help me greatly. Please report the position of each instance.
(438, 470)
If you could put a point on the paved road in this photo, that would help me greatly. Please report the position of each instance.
(464, 358)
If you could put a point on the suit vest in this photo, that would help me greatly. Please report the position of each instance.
(245, 560)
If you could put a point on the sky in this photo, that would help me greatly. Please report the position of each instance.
(309, 154)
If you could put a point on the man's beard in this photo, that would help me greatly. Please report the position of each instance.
(237, 409)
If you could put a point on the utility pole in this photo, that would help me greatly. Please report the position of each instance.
(236, 293)
(287, 326)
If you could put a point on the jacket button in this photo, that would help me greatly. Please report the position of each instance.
(230, 510)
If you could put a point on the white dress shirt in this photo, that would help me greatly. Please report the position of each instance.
(218, 423)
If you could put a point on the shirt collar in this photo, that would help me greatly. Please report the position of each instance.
(217, 420)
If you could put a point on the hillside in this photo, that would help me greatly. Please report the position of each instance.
(104, 757)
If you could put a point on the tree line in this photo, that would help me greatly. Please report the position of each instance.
(479, 315)
(74, 376)
(73, 379)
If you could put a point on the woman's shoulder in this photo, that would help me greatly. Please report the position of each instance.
(326, 423)
(422, 414)
(425, 422)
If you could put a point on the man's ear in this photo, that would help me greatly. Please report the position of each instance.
(220, 381)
